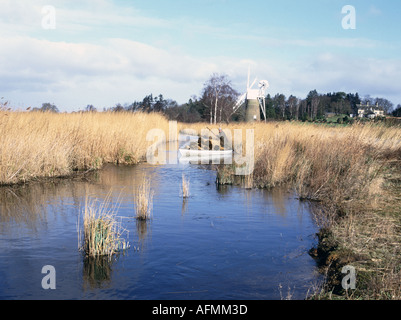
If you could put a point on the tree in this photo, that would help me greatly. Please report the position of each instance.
(279, 105)
(354, 100)
(227, 105)
(118, 108)
(151, 104)
(397, 111)
(134, 106)
(367, 99)
(313, 100)
(219, 98)
(159, 104)
(293, 107)
(147, 103)
(48, 107)
(385, 104)
(304, 110)
(270, 111)
(192, 111)
(342, 104)
(90, 108)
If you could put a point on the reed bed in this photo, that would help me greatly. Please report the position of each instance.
(143, 200)
(36, 144)
(102, 234)
(319, 161)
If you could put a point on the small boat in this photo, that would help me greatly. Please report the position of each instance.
(191, 151)
(205, 153)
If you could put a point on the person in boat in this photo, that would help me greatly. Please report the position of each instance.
(223, 137)
(200, 143)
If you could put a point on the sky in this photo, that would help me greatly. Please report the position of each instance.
(102, 52)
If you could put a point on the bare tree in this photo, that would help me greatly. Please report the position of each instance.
(293, 106)
(385, 104)
(219, 97)
(313, 99)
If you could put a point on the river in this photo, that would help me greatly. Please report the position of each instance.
(222, 242)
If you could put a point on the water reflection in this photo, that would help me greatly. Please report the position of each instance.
(97, 272)
(22, 206)
(278, 197)
(184, 207)
(143, 230)
(28, 206)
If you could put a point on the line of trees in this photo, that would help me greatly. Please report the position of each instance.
(47, 107)
(317, 106)
(149, 104)
(314, 106)
(218, 98)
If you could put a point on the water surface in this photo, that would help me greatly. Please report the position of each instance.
(221, 243)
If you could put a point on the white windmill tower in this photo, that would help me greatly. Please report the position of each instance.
(253, 100)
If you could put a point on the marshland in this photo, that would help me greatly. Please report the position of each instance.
(319, 198)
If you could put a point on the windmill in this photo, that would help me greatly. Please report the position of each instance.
(253, 100)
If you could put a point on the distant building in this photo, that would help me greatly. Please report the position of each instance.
(369, 111)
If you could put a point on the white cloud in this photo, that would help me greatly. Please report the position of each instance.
(335, 72)
(72, 70)
(73, 75)
(31, 66)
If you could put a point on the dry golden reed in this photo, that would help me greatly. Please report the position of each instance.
(143, 200)
(321, 162)
(37, 144)
(102, 232)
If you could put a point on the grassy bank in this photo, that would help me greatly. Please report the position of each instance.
(36, 144)
(354, 174)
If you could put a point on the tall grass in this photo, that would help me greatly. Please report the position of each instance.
(102, 233)
(37, 144)
(330, 165)
(143, 200)
(322, 163)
